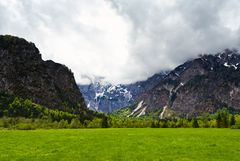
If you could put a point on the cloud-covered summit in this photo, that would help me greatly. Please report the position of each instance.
(123, 40)
(166, 33)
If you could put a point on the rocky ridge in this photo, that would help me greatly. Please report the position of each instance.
(23, 73)
(198, 86)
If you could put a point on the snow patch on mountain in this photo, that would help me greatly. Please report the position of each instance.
(137, 108)
(143, 112)
(106, 97)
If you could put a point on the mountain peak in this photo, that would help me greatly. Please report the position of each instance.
(106, 97)
(200, 85)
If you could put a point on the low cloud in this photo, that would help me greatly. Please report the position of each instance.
(167, 33)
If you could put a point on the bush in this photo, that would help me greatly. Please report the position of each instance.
(75, 123)
(5, 122)
(63, 124)
(235, 127)
(232, 120)
(95, 123)
(195, 123)
(105, 122)
(23, 126)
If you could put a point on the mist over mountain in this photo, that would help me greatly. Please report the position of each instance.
(201, 85)
(105, 97)
(198, 86)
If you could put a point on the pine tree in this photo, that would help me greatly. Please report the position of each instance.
(153, 124)
(104, 122)
(225, 119)
(219, 119)
(232, 120)
(195, 123)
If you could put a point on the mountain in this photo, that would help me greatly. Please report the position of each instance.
(23, 73)
(106, 97)
(198, 86)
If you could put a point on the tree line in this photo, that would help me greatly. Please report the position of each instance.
(221, 119)
(17, 113)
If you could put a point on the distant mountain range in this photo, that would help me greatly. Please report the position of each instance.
(105, 97)
(200, 85)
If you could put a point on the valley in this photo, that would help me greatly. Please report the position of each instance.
(119, 80)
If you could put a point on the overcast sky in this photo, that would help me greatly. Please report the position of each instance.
(123, 40)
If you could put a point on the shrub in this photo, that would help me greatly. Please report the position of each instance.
(63, 124)
(75, 123)
(105, 122)
(232, 120)
(195, 123)
(5, 122)
(95, 123)
(23, 126)
(235, 127)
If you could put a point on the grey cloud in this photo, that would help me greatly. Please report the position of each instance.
(84, 35)
(167, 34)
(151, 35)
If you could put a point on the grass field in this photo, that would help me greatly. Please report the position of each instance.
(121, 144)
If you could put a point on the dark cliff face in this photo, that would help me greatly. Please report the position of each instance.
(200, 85)
(23, 73)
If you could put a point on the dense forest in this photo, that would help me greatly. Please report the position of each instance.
(17, 113)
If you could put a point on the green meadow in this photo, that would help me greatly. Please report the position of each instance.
(121, 144)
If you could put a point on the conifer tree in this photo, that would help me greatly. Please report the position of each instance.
(195, 123)
(219, 119)
(104, 122)
(232, 120)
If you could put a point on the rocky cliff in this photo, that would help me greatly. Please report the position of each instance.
(23, 73)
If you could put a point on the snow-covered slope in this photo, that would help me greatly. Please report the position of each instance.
(106, 97)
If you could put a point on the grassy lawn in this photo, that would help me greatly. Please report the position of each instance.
(121, 144)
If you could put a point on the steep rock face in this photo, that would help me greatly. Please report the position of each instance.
(200, 85)
(23, 73)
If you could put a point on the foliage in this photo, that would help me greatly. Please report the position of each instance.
(222, 118)
(75, 123)
(195, 123)
(123, 112)
(11, 106)
(23, 114)
(22, 126)
(105, 122)
(232, 120)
